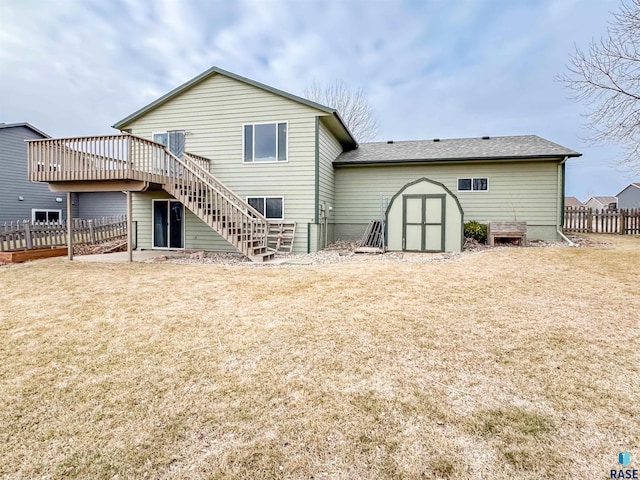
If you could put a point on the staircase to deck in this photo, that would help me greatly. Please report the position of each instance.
(127, 158)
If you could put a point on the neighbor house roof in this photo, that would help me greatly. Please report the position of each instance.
(572, 202)
(26, 125)
(635, 184)
(604, 200)
(336, 125)
(484, 148)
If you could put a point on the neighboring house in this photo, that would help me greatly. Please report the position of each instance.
(250, 151)
(572, 202)
(629, 197)
(21, 199)
(602, 203)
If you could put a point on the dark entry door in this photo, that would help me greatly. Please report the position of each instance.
(168, 226)
(423, 223)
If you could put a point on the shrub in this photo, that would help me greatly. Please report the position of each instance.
(476, 230)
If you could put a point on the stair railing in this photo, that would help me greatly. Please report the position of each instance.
(125, 156)
(209, 199)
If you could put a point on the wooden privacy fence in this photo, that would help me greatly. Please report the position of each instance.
(27, 234)
(589, 220)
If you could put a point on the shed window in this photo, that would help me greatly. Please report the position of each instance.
(265, 142)
(271, 207)
(473, 184)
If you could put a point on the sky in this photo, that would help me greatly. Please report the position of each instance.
(431, 68)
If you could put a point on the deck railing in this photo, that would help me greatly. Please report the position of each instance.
(215, 204)
(28, 234)
(127, 157)
(106, 157)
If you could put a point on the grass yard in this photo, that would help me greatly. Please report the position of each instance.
(505, 364)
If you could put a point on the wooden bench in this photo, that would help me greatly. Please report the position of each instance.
(507, 230)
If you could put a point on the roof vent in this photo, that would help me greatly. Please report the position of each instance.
(486, 138)
(436, 139)
(389, 141)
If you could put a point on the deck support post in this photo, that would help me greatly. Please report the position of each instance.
(129, 225)
(70, 225)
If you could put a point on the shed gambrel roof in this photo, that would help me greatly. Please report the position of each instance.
(333, 121)
(455, 149)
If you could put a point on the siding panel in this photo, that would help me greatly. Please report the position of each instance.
(101, 204)
(198, 235)
(524, 191)
(328, 148)
(629, 197)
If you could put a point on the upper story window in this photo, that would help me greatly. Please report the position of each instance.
(473, 184)
(265, 142)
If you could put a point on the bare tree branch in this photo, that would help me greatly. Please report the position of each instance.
(607, 79)
(352, 104)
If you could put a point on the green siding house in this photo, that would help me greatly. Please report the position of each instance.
(271, 148)
(220, 154)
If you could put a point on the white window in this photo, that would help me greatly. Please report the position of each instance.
(271, 207)
(161, 137)
(473, 184)
(265, 142)
(42, 215)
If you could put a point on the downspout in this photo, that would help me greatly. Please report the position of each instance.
(316, 173)
(561, 222)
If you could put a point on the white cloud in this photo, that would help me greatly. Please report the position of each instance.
(434, 68)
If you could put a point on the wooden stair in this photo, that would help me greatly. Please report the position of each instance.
(280, 236)
(216, 205)
(126, 160)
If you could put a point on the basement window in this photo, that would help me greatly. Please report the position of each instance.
(271, 207)
(38, 215)
(473, 184)
(265, 142)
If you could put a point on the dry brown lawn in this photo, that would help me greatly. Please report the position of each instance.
(508, 363)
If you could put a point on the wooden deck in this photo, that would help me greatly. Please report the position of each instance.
(112, 158)
(129, 163)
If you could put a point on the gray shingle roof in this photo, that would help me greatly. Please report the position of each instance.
(522, 146)
(26, 125)
(572, 202)
(605, 200)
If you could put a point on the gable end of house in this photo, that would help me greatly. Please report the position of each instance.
(331, 117)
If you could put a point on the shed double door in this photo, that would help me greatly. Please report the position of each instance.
(423, 223)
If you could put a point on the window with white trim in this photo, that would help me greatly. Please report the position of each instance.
(271, 207)
(265, 142)
(473, 184)
(43, 215)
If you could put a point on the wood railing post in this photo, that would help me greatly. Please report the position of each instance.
(92, 233)
(69, 226)
(27, 234)
(129, 226)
